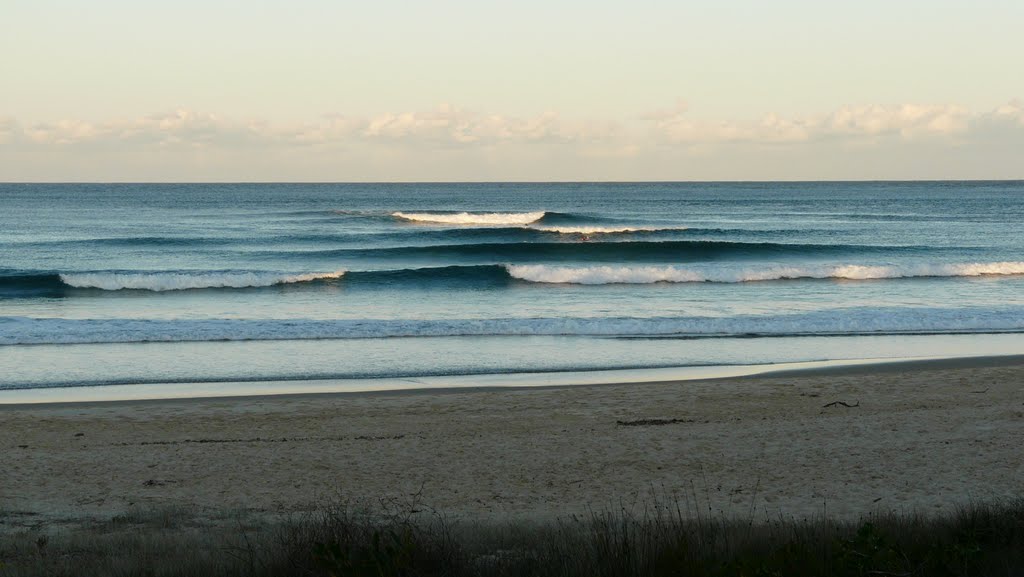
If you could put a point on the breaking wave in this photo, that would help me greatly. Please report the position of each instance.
(488, 218)
(595, 275)
(52, 284)
(170, 281)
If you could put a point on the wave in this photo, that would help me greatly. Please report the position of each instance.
(133, 241)
(673, 274)
(845, 322)
(417, 236)
(489, 218)
(414, 237)
(603, 229)
(475, 275)
(56, 285)
(53, 284)
(680, 251)
(170, 281)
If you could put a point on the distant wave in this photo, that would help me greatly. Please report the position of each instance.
(602, 229)
(856, 321)
(415, 235)
(595, 275)
(487, 218)
(169, 281)
(680, 251)
(343, 238)
(133, 241)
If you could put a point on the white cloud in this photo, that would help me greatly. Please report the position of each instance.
(177, 127)
(9, 129)
(448, 125)
(62, 132)
(453, 143)
(1011, 112)
(907, 121)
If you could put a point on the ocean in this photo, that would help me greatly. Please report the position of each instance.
(121, 284)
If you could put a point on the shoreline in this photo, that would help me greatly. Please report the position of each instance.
(255, 390)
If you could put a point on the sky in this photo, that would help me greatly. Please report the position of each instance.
(459, 90)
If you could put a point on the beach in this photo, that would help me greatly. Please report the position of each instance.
(922, 437)
(511, 289)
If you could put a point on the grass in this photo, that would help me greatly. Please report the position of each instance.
(403, 539)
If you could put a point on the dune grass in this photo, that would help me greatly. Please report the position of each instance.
(405, 539)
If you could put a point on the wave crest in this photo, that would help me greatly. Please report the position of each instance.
(489, 218)
(602, 229)
(595, 275)
(170, 281)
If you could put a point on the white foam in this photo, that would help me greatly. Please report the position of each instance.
(594, 275)
(602, 229)
(490, 218)
(847, 321)
(170, 281)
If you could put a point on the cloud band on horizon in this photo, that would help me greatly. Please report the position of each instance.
(451, 143)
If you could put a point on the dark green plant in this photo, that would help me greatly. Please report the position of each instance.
(387, 554)
(869, 551)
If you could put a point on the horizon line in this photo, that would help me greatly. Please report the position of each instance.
(744, 181)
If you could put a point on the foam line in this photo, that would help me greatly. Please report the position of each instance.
(595, 275)
(490, 218)
(169, 281)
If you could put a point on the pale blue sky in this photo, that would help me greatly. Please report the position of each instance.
(101, 66)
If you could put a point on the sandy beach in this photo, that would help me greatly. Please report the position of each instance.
(917, 437)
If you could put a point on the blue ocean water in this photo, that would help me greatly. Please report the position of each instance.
(142, 283)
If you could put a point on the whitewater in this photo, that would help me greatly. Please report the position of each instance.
(169, 281)
(584, 275)
(465, 218)
(674, 274)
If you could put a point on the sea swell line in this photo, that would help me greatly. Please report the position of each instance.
(604, 229)
(855, 321)
(659, 251)
(34, 284)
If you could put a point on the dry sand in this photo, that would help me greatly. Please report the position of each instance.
(924, 437)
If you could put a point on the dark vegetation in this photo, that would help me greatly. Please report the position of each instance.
(405, 540)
